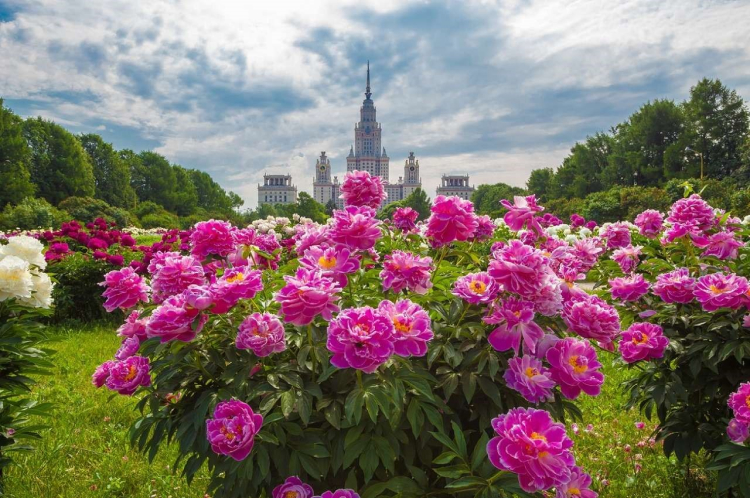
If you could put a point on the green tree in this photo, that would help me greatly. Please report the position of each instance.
(32, 213)
(15, 156)
(60, 167)
(540, 182)
(111, 173)
(184, 198)
(419, 202)
(487, 197)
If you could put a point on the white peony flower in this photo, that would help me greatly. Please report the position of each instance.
(26, 248)
(15, 278)
(41, 296)
(584, 232)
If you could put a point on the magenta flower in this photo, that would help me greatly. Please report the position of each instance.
(627, 258)
(125, 289)
(675, 287)
(360, 338)
(404, 219)
(198, 297)
(174, 320)
(577, 220)
(339, 493)
(307, 294)
(715, 291)
(737, 431)
(722, 245)
(579, 485)
(355, 227)
(134, 326)
(359, 188)
(406, 270)
(739, 402)
(575, 368)
(522, 212)
(212, 237)
(173, 273)
(102, 373)
(746, 321)
(485, 228)
(334, 262)
(476, 288)
(650, 223)
(515, 320)
(309, 235)
(642, 341)
(531, 445)
(591, 317)
(616, 234)
(412, 327)
(238, 283)
(519, 268)
(527, 376)
(452, 219)
(128, 348)
(587, 252)
(125, 376)
(692, 212)
(630, 288)
(293, 487)
(232, 430)
(261, 333)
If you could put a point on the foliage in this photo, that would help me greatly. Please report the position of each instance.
(89, 209)
(15, 156)
(417, 201)
(111, 173)
(486, 198)
(31, 213)
(305, 206)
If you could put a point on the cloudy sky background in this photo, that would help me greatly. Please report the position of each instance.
(493, 89)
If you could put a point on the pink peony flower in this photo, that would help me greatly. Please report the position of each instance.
(102, 373)
(333, 262)
(339, 493)
(125, 376)
(309, 235)
(452, 219)
(722, 245)
(125, 289)
(715, 291)
(675, 287)
(579, 485)
(519, 268)
(261, 333)
(128, 348)
(642, 341)
(174, 320)
(485, 228)
(630, 288)
(198, 297)
(476, 288)
(412, 327)
(650, 223)
(627, 257)
(232, 430)
(531, 445)
(515, 320)
(577, 220)
(739, 402)
(404, 219)
(528, 377)
(172, 273)
(307, 294)
(293, 487)
(616, 234)
(591, 317)
(238, 283)
(575, 368)
(640, 425)
(212, 237)
(406, 270)
(737, 431)
(692, 212)
(134, 326)
(361, 189)
(355, 227)
(587, 252)
(522, 212)
(360, 338)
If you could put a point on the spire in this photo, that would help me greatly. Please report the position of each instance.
(367, 90)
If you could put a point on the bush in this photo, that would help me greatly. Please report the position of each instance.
(635, 200)
(154, 216)
(85, 209)
(604, 206)
(31, 213)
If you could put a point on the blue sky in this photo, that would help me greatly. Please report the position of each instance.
(493, 89)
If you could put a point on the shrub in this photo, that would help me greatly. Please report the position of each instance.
(85, 209)
(31, 213)
(153, 216)
(603, 206)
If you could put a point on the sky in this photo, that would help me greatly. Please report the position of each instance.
(239, 89)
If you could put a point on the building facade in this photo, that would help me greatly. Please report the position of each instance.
(277, 189)
(325, 187)
(456, 185)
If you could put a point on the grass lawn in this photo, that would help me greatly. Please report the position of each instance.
(86, 452)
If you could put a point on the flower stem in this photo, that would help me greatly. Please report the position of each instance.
(359, 380)
(312, 345)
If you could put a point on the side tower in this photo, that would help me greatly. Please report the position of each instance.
(412, 180)
(322, 183)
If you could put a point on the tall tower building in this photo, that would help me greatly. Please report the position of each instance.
(412, 181)
(325, 187)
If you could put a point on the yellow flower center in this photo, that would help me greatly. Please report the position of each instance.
(327, 262)
(478, 287)
(531, 372)
(747, 401)
(401, 327)
(538, 436)
(238, 277)
(640, 339)
(578, 365)
(291, 493)
(227, 433)
(543, 454)
(715, 290)
(132, 371)
(573, 491)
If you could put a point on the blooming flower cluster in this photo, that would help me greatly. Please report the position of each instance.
(22, 272)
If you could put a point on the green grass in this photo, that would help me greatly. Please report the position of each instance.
(86, 452)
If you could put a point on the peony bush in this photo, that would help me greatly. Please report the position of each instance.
(365, 357)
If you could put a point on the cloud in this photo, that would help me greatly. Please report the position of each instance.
(237, 89)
